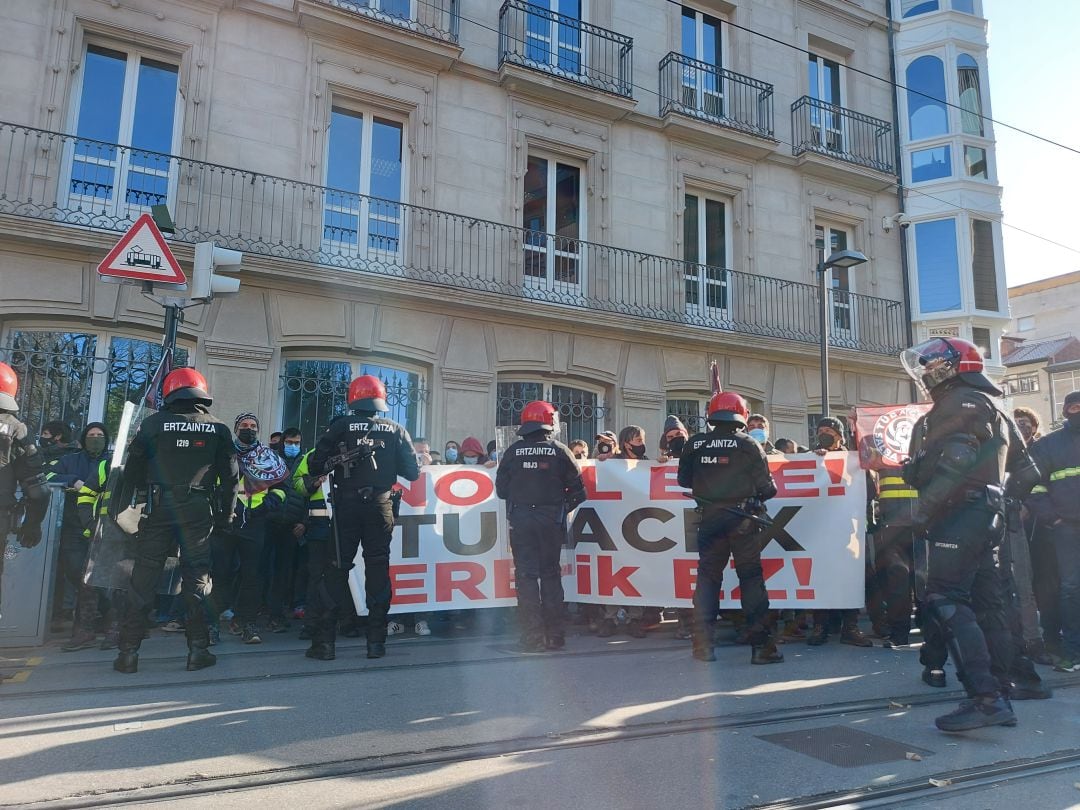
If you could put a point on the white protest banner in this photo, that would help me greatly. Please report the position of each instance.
(634, 540)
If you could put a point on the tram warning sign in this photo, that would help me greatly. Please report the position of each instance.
(142, 255)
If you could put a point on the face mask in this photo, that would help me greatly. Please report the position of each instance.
(676, 445)
(1074, 420)
(49, 442)
(494, 455)
(95, 445)
(759, 435)
(603, 448)
(451, 454)
(826, 440)
(292, 450)
(247, 436)
(638, 450)
(470, 459)
(579, 456)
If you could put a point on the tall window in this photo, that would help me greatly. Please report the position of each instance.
(314, 394)
(931, 164)
(980, 336)
(967, 74)
(705, 256)
(553, 220)
(691, 410)
(580, 410)
(939, 268)
(553, 35)
(364, 176)
(928, 115)
(827, 240)
(913, 8)
(826, 86)
(80, 377)
(1062, 383)
(975, 162)
(983, 266)
(127, 127)
(702, 87)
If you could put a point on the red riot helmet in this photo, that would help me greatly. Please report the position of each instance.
(939, 359)
(538, 415)
(727, 406)
(9, 387)
(367, 393)
(185, 383)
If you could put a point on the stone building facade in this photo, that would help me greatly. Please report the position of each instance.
(482, 204)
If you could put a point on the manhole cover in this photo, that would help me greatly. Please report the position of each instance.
(843, 746)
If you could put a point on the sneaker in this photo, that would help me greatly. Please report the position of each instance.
(278, 625)
(251, 634)
(934, 677)
(1067, 665)
(896, 640)
(422, 629)
(555, 641)
(636, 628)
(978, 713)
(80, 640)
(683, 632)
(395, 628)
(235, 628)
(112, 638)
(854, 636)
(299, 612)
(766, 654)
(214, 635)
(173, 626)
(818, 636)
(227, 615)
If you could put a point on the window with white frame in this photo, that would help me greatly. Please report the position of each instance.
(826, 85)
(314, 393)
(828, 239)
(927, 100)
(581, 410)
(1025, 323)
(691, 410)
(80, 377)
(967, 76)
(127, 127)
(1063, 383)
(706, 236)
(1023, 384)
(365, 179)
(702, 87)
(553, 36)
(554, 221)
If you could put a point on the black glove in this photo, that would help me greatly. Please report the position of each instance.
(29, 535)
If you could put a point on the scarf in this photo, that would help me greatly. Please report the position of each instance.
(261, 466)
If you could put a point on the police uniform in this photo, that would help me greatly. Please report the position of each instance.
(540, 482)
(726, 469)
(363, 518)
(185, 460)
(960, 452)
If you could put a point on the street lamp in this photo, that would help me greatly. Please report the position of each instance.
(839, 258)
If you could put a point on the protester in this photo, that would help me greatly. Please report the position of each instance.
(451, 452)
(580, 449)
(472, 452)
(282, 551)
(757, 426)
(607, 446)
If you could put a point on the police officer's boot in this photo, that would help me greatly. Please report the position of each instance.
(979, 712)
(703, 644)
(766, 653)
(199, 656)
(323, 640)
(127, 660)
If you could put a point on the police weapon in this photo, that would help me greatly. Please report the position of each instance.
(764, 521)
(364, 452)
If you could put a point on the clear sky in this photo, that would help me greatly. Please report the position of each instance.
(1034, 76)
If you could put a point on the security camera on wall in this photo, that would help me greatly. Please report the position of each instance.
(896, 220)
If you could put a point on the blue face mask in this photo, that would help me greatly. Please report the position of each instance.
(292, 450)
(759, 435)
(451, 454)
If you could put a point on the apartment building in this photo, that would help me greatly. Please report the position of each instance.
(481, 203)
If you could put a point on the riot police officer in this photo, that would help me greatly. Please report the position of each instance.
(960, 452)
(729, 477)
(540, 482)
(182, 464)
(21, 465)
(364, 455)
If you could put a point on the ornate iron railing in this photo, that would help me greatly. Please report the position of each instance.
(841, 133)
(64, 179)
(438, 19)
(540, 39)
(700, 90)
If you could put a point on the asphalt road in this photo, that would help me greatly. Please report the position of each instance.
(469, 723)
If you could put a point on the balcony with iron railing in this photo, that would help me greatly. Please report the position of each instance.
(837, 132)
(437, 19)
(565, 47)
(709, 93)
(57, 178)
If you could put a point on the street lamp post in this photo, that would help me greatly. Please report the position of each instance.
(839, 258)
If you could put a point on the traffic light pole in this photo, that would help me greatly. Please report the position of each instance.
(174, 316)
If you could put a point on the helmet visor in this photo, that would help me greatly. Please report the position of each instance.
(931, 363)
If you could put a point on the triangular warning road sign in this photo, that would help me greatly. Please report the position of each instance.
(142, 255)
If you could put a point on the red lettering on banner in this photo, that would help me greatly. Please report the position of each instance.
(664, 484)
(446, 584)
(504, 579)
(584, 574)
(608, 579)
(685, 578)
(792, 481)
(803, 566)
(588, 476)
(484, 488)
(400, 584)
(415, 494)
(835, 468)
(769, 568)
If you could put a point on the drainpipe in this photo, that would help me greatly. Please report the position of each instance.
(898, 156)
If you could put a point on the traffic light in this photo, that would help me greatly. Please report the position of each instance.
(209, 258)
